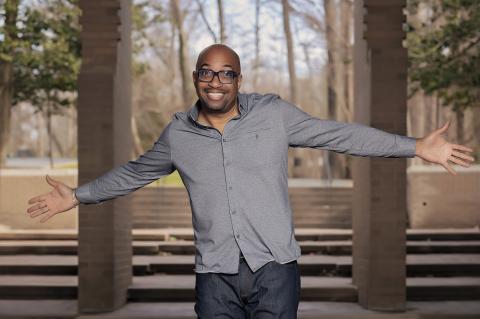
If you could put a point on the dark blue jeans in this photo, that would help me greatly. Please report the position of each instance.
(273, 291)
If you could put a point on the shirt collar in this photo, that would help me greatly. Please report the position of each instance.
(195, 109)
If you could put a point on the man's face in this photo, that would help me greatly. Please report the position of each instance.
(215, 96)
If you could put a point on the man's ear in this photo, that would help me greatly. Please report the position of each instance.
(194, 76)
(239, 82)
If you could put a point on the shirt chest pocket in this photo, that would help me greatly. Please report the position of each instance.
(259, 147)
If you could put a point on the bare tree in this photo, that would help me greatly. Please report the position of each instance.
(178, 18)
(338, 32)
(221, 21)
(6, 76)
(290, 53)
(201, 10)
(256, 62)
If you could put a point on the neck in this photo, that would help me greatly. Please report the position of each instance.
(217, 120)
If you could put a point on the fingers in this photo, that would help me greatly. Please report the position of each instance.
(35, 207)
(39, 212)
(449, 168)
(462, 155)
(458, 161)
(38, 198)
(47, 217)
(462, 148)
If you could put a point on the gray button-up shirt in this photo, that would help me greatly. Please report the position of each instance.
(237, 182)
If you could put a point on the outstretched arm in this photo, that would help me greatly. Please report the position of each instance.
(119, 181)
(304, 130)
(434, 148)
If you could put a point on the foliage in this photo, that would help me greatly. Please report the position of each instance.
(444, 51)
(45, 54)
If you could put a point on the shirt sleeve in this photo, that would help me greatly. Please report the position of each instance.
(150, 166)
(304, 130)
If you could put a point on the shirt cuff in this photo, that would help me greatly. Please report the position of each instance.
(83, 194)
(406, 146)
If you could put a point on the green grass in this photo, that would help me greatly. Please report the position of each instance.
(170, 180)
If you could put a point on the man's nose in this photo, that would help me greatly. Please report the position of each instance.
(215, 81)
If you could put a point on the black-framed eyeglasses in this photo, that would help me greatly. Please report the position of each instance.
(224, 76)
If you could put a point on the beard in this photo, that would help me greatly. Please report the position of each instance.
(217, 102)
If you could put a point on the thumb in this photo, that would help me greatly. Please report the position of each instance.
(51, 181)
(444, 128)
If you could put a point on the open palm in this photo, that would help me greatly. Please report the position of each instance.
(435, 148)
(58, 200)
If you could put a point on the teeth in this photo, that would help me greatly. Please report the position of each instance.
(215, 96)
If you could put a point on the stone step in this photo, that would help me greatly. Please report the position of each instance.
(67, 309)
(176, 288)
(186, 247)
(343, 248)
(318, 265)
(301, 234)
(66, 247)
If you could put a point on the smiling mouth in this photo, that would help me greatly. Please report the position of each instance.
(215, 96)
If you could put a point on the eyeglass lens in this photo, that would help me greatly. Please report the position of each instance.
(225, 77)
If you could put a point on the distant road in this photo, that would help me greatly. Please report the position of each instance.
(37, 162)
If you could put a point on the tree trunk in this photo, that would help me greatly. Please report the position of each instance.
(221, 22)
(137, 143)
(6, 93)
(332, 168)
(460, 127)
(256, 62)
(205, 20)
(476, 132)
(57, 144)
(290, 53)
(6, 76)
(182, 51)
(49, 135)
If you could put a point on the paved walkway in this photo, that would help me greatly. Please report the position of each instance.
(307, 310)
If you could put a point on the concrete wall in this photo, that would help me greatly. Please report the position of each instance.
(18, 186)
(437, 199)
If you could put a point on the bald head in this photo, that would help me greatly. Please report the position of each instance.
(222, 52)
(219, 94)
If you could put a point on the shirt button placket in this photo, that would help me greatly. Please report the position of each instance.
(229, 187)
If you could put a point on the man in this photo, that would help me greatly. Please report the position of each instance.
(230, 150)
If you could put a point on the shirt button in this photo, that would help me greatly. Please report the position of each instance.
(238, 236)
(224, 139)
(227, 163)
(234, 212)
(230, 187)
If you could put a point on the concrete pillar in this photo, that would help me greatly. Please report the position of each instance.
(379, 199)
(104, 142)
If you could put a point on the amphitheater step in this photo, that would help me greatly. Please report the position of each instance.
(176, 288)
(67, 309)
(301, 234)
(318, 265)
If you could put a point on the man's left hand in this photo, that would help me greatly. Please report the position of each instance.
(434, 148)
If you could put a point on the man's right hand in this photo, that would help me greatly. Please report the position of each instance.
(58, 200)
